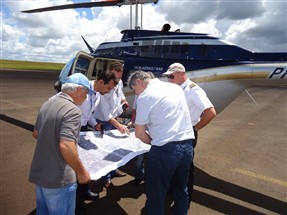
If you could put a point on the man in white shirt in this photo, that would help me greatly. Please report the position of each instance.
(113, 104)
(105, 82)
(163, 111)
(110, 106)
(201, 109)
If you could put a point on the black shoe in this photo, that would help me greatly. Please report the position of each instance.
(119, 174)
(110, 186)
(137, 182)
(92, 196)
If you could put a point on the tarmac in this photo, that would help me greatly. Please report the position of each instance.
(241, 156)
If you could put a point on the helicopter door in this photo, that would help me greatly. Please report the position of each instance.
(82, 63)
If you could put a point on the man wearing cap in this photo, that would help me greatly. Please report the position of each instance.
(163, 111)
(56, 165)
(201, 109)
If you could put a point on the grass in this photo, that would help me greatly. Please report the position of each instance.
(29, 65)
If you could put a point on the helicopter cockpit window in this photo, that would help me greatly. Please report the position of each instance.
(66, 71)
(82, 65)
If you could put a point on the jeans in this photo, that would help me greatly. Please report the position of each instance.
(106, 125)
(59, 201)
(167, 167)
(138, 168)
(108, 176)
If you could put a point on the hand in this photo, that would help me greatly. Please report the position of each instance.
(84, 178)
(125, 106)
(98, 127)
(130, 124)
(123, 129)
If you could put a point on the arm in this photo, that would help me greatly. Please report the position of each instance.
(207, 115)
(70, 154)
(122, 128)
(140, 132)
(35, 134)
(131, 123)
(93, 121)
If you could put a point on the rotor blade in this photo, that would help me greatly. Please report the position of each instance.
(76, 5)
(90, 4)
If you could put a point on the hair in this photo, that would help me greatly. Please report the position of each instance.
(69, 87)
(107, 76)
(139, 75)
(116, 65)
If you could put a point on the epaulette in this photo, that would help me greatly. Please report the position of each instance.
(192, 85)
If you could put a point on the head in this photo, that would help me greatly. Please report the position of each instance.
(176, 73)
(117, 68)
(105, 82)
(139, 80)
(77, 86)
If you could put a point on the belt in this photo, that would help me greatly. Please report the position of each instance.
(178, 142)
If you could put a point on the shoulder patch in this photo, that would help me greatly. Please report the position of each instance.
(192, 85)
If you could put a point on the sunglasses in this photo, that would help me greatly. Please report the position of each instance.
(170, 76)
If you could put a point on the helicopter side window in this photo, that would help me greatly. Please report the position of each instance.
(100, 66)
(166, 46)
(184, 49)
(157, 47)
(82, 65)
(175, 47)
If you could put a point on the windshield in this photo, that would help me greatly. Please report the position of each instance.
(65, 71)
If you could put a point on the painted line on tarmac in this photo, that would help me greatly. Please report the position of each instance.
(14, 103)
(262, 177)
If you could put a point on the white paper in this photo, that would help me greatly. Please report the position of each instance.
(102, 153)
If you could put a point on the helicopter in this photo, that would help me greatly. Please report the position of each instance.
(224, 70)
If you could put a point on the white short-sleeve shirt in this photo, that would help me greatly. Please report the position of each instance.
(162, 107)
(197, 100)
(110, 104)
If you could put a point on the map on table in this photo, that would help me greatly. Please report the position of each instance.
(102, 153)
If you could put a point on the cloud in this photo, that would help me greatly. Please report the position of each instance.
(239, 10)
(258, 25)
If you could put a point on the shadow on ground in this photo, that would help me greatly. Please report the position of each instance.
(109, 204)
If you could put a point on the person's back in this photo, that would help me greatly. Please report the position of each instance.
(50, 129)
(168, 112)
(56, 164)
(163, 111)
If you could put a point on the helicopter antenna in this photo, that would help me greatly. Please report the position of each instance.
(88, 45)
(141, 16)
(131, 16)
(137, 16)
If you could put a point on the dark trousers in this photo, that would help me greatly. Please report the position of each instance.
(82, 192)
(190, 182)
(167, 167)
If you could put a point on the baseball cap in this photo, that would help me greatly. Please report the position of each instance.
(175, 67)
(80, 79)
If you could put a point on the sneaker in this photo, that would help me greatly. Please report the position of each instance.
(92, 195)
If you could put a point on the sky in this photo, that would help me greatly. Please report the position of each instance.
(55, 36)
